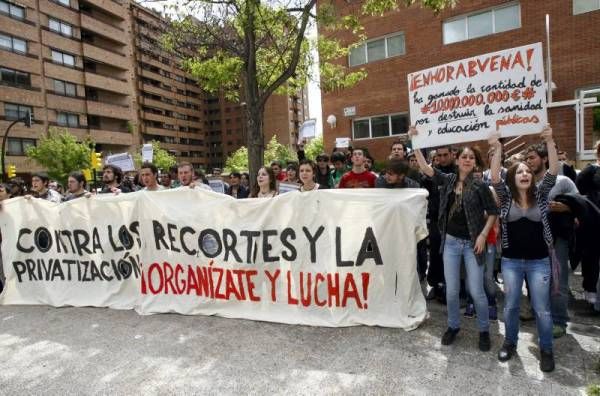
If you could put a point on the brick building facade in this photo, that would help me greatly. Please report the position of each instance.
(412, 39)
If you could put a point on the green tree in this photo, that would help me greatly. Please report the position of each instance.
(60, 153)
(250, 49)
(314, 148)
(238, 161)
(160, 157)
(278, 152)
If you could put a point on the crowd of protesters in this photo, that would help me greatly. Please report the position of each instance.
(533, 213)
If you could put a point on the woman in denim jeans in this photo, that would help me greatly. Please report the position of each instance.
(526, 246)
(464, 202)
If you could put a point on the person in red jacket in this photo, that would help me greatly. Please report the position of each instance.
(359, 176)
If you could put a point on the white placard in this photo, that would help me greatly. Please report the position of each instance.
(147, 152)
(217, 185)
(308, 129)
(285, 187)
(342, 142)
(467, 100)
(124, 161)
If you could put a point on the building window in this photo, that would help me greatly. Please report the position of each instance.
(65, 88)
(583, 6)
(377, 49)
(18, 146)
(495, 20)
(14, 111)
(14, 77)
(13, 44)
(60, 27)
(379, 126)
(67, 119)
(63, 2)
(12, 10)
(63, 59)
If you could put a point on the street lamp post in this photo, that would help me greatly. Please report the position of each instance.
(27, 120)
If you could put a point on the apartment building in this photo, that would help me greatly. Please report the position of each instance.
(284, 115)
(68, 62)
(375, 111)
(95, 67)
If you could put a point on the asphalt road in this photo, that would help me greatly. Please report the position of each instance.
(64, 351)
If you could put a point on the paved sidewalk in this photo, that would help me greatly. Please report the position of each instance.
(62, 351)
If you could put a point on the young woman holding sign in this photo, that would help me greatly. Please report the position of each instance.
(464, 203)
(526, 243)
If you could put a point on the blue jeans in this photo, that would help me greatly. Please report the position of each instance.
(538, 274)
(559, 303)
(454, 250)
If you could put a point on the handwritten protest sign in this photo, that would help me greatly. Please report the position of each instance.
(191, 251)
(124, 161)
(468, 99)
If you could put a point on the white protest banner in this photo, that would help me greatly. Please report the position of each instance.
(147, 152)
(123, 161)
(351, 261)
(467, 100)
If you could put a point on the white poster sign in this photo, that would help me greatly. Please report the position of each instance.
(342, 142)
(190, 251)
(467, 100)
(217, 185)
(123, 161)
(308, 129)
(285, 187)
(147, 152)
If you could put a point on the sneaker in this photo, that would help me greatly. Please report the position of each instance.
(558, 331)
(470, 311)
(449, 336)
(507, 351)
(484, 341)
(546, 361)
(493, 310)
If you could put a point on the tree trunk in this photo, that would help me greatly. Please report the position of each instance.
(256, 145)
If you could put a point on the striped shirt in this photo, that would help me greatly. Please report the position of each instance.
(541, 197)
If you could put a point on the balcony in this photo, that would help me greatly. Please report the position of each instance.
(107, 83)
(113, 7)
(109, 110)
(103, 29)
(66, 103)
(110, 137)
(107, 57)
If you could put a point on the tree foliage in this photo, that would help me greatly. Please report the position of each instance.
(276, 151)
(314, 148)
(160, 157)
(60, 153)
(250, 49)
(238, 161)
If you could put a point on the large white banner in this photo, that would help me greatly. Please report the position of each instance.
(466, 100)
(325, 258)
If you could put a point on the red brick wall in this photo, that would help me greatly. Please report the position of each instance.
(575, 49)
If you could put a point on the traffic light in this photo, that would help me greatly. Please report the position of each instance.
(87, 173)
(12, 171)
(96, 160)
